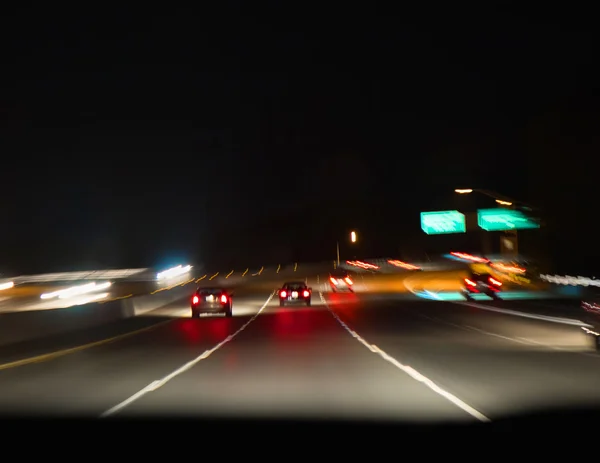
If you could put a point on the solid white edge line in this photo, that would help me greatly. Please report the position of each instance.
(408, 370)
(546, 318)
(154, 385)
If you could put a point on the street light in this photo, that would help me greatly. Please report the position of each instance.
(500, 199)
(353, 239)
(503, 201)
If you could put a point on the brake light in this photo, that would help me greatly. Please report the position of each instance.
(306, 293)
(348, 280)
(283, 294)
(495, 282)
(195, 300)
(333, 280)
(223, 298)
(470, 283)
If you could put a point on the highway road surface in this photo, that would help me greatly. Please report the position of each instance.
(373, 354)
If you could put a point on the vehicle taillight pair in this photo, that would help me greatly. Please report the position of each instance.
(196, 299)
(284, 293)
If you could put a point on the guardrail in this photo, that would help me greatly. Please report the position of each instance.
(24, 326)
(570, 280)
(571, 286)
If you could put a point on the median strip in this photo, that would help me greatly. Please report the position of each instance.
(72, 350)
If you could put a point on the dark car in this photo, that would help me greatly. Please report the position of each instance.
(590, 305)
(340, 281)
(481, 283)
(295, 292)
(212, 300)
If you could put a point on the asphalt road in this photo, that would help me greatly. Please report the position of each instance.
(372, 354)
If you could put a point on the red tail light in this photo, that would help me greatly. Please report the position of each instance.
(195, 300)
(349, 281)
(223, 299)
(306, 293)
(283, 294)
(470, 283)
(495, 282)
(333, 280)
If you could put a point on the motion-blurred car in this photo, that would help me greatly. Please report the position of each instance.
(212, 300)
(340, 281)
(295, 292)
(591, 314)
(481, 283)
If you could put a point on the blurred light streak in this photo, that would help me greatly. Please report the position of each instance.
(507, 268)
(76, 291)
(465, 256)
(7, 285)
(173, 272)
(398, 263)
(363, 265)
(457, 296)
(570, 280)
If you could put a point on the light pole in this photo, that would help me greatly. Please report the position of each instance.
(353, 239)
(510, 245)
(500, 199)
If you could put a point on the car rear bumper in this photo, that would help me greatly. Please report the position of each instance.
(341, 287)
(481, 289)
(209, 308)
(298, 299)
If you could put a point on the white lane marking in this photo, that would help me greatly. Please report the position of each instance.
(472, 328)
(161, 382)
(409, 370)
(564, 321)
(518, 339)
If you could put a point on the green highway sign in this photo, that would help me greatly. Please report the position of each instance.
(500, 219)
(443, 222)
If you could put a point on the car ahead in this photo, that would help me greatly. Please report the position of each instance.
(340, 281)
(212, 300)
(481, 283)
(295, 292)
(590, 306)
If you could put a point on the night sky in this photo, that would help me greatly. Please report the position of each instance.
(171, 140)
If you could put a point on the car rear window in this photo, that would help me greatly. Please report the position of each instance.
(209, 291)
(295, 285)
(339, 274)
